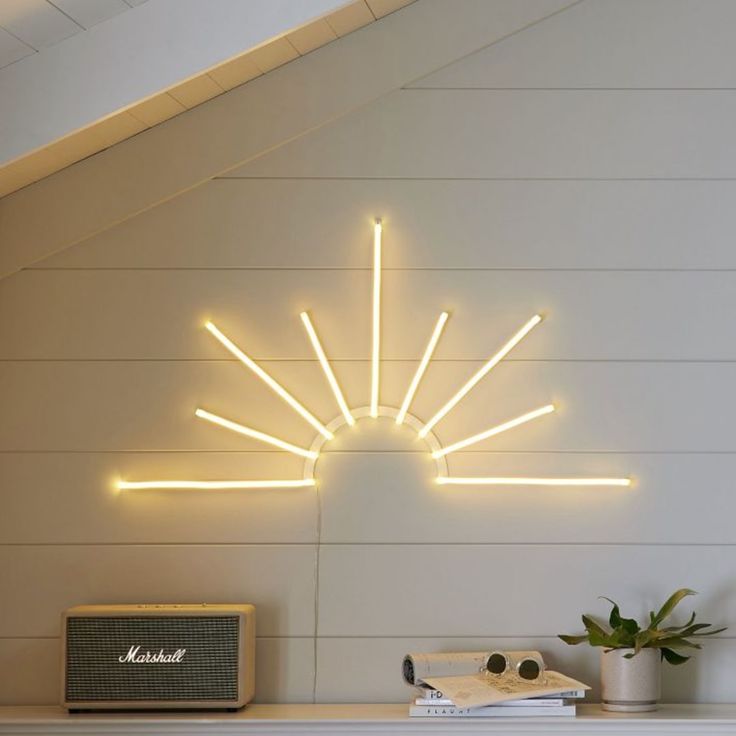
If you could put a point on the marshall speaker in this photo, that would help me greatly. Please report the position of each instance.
(156, 657)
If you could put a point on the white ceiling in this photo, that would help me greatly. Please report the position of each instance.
(92, 89)
(27, 26)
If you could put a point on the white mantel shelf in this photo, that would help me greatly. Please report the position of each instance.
(362, 719)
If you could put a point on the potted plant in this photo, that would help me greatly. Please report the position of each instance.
(632, 655)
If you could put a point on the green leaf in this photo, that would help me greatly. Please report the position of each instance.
(684, 626)
(572, 639)
(621, 639)
(655, 634)
(674, 657)
(642, 639)
(707, 633)
(630, 626)
(674, 643)
(690, 629)
(624, 629)
(669, 605)
(695, 630)
(593, 626)
(601, 640)
(615, 618)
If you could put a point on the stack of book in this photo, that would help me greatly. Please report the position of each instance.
(488, 685)
(432, 703)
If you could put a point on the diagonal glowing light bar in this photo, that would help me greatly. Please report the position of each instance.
(422, 367)
(270, 382)
(212, 485)
(327, 369)
(375, 353)
(459, 481)
(523, 419)
(502, 353)
(255, 434)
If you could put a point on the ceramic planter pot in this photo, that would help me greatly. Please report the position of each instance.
(631, 685)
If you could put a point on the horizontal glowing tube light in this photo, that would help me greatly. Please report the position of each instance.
(433, 340)
(469, 481)
(523, 419)
(212, 485)
(375, 352)
(270, 382)
(334, 385)
(502, 353)
(255, 434)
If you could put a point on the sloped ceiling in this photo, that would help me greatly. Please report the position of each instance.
(27, 26)
(250, 120)
(82, 75)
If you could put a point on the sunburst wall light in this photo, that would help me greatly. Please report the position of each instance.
(348, 416)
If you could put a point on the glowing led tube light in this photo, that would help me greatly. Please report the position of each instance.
(422, 367)
(327, 369)
(270, 382)
(375, 352)
(494, 430)
(212, 485)
(459, 481)
(255, 434)
(502, 353)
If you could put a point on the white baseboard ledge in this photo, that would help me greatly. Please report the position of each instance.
(364, 719)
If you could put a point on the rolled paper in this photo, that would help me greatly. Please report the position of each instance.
(417, 665)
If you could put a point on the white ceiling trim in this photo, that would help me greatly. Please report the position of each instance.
(249, 121)
(131, 57)
(237, 70)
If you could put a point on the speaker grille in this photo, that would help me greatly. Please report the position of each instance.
(208, 670)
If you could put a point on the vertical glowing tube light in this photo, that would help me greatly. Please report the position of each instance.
(270, 382)
(375, 352)
(422, 367)
(491, 363)
(327, 369)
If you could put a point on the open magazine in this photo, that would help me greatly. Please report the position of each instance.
(474, 691)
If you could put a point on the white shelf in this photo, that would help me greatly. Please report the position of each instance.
(363, 719)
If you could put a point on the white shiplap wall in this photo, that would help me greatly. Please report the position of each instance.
(609, 209)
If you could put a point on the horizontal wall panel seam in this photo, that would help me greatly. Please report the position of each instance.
(222, 179)
(148, 545)
(677, 545)
(406, 91)
(470, 636)
(368, 452)
(143, 451)
(156, 451)
(371, 636)
(476, 178)
(480, 359)
(57, 638)
(357, 269)
(568, 89)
